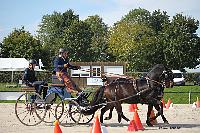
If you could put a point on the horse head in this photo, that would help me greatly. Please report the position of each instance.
(161, 74)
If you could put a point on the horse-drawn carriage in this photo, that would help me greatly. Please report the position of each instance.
(31, 109)
(58, 104)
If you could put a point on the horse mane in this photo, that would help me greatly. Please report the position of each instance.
(156, 71)
(120, 80)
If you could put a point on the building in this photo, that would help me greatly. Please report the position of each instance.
(91, 72)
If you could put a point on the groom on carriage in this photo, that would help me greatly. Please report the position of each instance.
(61, 63)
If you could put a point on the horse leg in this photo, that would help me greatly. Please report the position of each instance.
(161, 113)
(154, 102)
(148, 121)
(124, 117)
(103, 110)
(110, 114)
(118, 107)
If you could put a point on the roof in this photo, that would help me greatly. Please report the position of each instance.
(14, 64)
(194, 70)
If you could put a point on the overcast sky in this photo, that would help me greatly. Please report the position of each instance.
(28, 13)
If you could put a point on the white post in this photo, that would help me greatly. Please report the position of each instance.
(189, 97)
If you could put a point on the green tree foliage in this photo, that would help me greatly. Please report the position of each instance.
(66, 30)
(143, 39)
(77, 40)
(52, 31)
(21, 44)
(1, 49)
(138, 16)
(182, 45)
(131, 43)
(99, 43)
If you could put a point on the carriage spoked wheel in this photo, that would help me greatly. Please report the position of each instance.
(30, 108)
(86, 118)
(71, 115)
(54, 107)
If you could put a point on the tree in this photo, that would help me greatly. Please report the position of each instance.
(52, 30)
(132, 43)
(77, 40)
(99, 43)
(1, 49)
(144, 39)
(21, 44)
(181, 44)
(138, 16)
(158, 20)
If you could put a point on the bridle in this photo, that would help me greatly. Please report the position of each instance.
(166, 76)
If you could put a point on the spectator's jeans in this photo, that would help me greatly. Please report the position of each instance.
(69, 83)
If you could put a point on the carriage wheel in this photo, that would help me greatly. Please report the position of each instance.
(72, 114)
(54, 108)
(30, 109)
(86, 118)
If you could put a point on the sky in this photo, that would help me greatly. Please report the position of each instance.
(28, 13)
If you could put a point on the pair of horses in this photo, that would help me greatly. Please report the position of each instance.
(146, 90)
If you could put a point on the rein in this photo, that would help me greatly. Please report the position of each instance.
(120, 100)
(147, 78)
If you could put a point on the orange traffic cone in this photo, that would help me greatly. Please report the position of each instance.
(96, 128)
(135, 106)
(132, 126)
(131, 108)
(197, 103)
(168, 103)
(163, 102)
(57, 128)
(136, 118)
(153, 122)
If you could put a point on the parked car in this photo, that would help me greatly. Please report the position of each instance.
(197, 81)
(178, 77)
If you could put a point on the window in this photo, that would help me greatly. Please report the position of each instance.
(110, 70)
(83, 72)
(96, 71)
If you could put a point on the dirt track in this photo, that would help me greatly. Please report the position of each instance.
(182, 118)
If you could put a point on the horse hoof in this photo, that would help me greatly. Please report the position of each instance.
(107, 118)
(149, 124)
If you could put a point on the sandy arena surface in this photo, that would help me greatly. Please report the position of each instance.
(182, 119)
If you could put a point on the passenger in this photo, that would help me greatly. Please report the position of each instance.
(61, 63)
(30, 79)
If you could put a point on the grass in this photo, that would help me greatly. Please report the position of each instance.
(4, 88)
(180, 94)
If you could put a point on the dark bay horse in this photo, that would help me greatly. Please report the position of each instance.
(133, 91)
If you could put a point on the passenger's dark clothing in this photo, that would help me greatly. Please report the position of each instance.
(29, 76)
(30, 80)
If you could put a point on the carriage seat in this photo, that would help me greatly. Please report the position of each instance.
(27, 88)
(57, 82)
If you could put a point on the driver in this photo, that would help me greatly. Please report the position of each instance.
(61, 63)
(30, 79)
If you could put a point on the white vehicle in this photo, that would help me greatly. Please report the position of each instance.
(178, 77)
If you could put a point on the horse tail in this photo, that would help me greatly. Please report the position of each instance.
(97, 99)
(98, 96)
